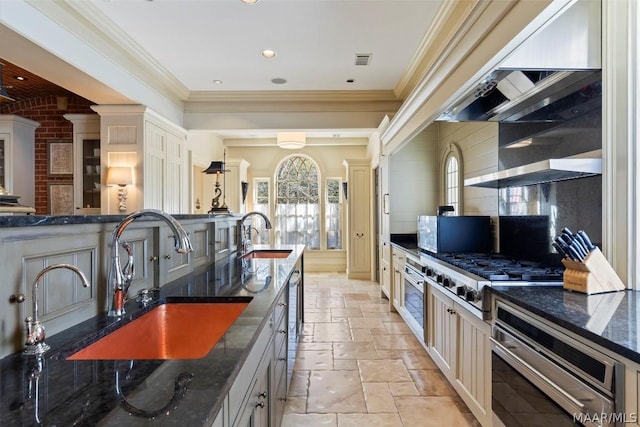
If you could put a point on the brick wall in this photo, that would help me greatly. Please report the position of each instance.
(53, 128)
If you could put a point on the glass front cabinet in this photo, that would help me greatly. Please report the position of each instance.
(87, 174)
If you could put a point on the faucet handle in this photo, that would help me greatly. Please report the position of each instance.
(144, 297)
(34, 344)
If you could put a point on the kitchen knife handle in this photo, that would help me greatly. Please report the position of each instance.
(579, 249)
(587, 241)
(565, 247)
(575, 255)
(559, 249)
(566, 231)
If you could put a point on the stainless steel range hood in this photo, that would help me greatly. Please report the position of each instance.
(560, 59)
(550, 170)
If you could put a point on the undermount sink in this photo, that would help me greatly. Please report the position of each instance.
(268, 253)
(177, 330)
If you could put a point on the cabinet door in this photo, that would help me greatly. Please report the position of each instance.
(473, 367)
(442, 331)
(173, 175)
(398, 287)
(154, 167)
(200, 235)
(172, 264)
(383, 176)
(88, 190)
(385, 278)
(222, 239)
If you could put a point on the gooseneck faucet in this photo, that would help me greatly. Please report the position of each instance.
(35, 344)
(245, 233)
(120, 278)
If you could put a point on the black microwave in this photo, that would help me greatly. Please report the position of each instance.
(454, 234)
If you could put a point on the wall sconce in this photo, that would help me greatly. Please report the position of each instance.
(120, 176)
(245, 188)
(217, 168)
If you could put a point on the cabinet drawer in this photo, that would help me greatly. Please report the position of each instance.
(281, 333)
(244, 381)
(280, 306)
(280, 399)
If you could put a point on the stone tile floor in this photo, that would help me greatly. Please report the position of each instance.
(360, 365)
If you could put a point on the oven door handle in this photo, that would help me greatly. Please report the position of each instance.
(543, 381)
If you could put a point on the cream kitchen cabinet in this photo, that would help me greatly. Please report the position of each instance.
(133, 135)
(234, 177)
(459, 345)
(87, 169)
(359, 239)
(385, 269)
(17, 157)
(164, 163)
(631, 412)
(399, 258)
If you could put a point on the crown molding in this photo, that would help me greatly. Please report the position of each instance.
(451, 21)
(292, 101)
(88, 23)
(295, 96)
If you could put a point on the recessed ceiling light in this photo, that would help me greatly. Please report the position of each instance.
(21, 78)
(278, 81)
(351, 80)
(268, 53)
(218, 82)
(250, 1)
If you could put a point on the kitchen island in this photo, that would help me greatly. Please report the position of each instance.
(210, 390)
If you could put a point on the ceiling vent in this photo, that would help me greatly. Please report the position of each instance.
(362, 59)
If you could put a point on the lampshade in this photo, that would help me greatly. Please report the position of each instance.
(119, 175)
(291, 140)
(215, 167)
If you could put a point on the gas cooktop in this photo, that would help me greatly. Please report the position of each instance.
(497, 267)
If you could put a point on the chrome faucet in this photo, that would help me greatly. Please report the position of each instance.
(245, 232)
(120, 278)
(35, 344)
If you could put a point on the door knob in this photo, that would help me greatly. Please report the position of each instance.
(17, 298)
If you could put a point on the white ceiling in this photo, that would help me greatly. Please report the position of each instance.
(199, 41)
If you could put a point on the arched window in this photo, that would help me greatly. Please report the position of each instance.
(452, 171)
(297, 210)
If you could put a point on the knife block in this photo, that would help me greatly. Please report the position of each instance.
(592, 276)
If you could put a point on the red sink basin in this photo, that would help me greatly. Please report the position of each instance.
(268, 253)
(169, 331)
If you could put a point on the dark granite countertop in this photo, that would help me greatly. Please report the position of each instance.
(609, 320)
(30, 220)
(59, 392)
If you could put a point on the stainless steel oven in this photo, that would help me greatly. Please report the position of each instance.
(542, 376)
(414, 303)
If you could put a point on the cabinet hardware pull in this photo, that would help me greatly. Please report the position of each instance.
(282, 359)
(17, 298)
(167, 257)
(153, 258)
(263, 395)
(282, 331)
(282, 304)
(260, 405)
